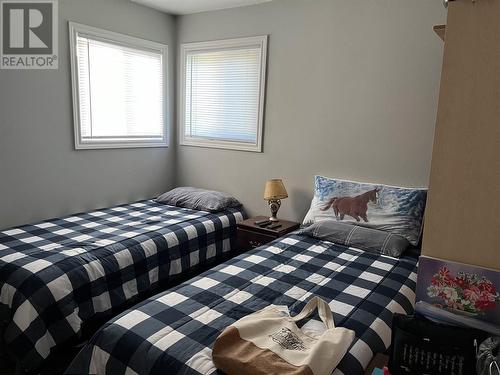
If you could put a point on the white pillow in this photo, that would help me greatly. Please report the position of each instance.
(392, 209)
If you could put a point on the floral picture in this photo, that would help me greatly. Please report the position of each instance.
(468, 291)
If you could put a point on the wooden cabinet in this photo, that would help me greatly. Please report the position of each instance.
(463, 210)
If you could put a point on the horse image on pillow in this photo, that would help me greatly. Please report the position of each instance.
(356, 207)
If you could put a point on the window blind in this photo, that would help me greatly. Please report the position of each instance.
(120, 91)
(222, 94)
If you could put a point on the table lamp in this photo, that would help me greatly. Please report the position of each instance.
(275, 191)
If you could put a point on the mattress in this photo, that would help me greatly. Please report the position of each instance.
(57, 275)
(176, 330)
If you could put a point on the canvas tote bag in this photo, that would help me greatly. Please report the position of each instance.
(269, 342)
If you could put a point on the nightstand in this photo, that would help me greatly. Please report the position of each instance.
(250, 235)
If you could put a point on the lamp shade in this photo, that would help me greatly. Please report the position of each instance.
(275, 189)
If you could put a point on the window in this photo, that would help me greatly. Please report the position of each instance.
(222, 93)
(118, 90)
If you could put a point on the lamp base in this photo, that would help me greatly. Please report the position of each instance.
(274, 206)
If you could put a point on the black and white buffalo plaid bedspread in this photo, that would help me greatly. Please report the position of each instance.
(57, 275)
(174, 332)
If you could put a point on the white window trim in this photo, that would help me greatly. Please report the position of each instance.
(260, 41)
(76, 29)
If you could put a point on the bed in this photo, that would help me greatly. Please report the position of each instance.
(176, 330)
(59, 275)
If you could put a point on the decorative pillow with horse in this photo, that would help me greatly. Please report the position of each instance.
(392, 209)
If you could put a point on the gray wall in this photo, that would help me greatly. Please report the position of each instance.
(352, 93)
(41, 175)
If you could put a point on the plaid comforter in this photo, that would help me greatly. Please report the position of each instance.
(57, 275)
(174, 332)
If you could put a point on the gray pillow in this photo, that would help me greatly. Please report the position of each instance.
(372, 240)
(198, 199)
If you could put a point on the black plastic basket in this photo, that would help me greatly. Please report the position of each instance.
(422, 347)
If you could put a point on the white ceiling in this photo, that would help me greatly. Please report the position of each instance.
(195, 6)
